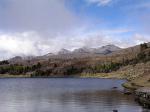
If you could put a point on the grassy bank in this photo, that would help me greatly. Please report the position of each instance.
(137, 75)
(14, 76)
(102, 75)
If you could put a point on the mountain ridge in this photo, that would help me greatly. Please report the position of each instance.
(104, 50)
(76, 53)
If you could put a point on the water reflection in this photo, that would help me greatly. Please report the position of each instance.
(62, 95)
(99, 101)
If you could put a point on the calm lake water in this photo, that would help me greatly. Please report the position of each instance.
(65, 95)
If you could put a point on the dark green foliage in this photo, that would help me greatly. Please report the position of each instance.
(5, 62)
(72, 70)
(37, 66)
(3, 70)
(18, 69)
(149, 54)
(141, 56)
(41, 73)
(38, 73)
(143, 47)
(12, 69)
(105, 68)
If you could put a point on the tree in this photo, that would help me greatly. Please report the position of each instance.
(5, 62)
(143, 47)
(39, 65)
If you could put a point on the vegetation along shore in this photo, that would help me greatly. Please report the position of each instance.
(131, 63)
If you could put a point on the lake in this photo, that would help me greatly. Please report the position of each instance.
(65, 95)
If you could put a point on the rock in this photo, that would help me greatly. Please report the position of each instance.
(114, 87)
(127, 93)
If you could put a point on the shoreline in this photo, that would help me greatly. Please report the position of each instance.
(137, 76)
(128, 84)
(131, 87)
(14, 76)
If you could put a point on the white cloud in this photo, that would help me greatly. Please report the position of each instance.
(139, 38)
(32, 43)
(17, 44)
(37, 27)
(100, 2)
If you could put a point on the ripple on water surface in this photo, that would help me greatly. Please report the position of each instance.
(62, 95)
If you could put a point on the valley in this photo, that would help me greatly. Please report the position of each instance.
(131, 63)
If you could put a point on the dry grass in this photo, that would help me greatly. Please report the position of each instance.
(137, 75)
(14, 76)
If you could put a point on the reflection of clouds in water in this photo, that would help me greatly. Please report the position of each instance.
(61, 95)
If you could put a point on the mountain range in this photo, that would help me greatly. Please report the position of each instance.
(86, 50)
(83, 52)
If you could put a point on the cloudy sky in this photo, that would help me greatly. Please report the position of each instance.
(37, 27)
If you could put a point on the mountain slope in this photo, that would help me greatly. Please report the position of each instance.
(107, 49)
(100, 50)
(85, 52)
(53, 66)
(63, 51)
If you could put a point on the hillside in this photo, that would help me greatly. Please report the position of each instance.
(83, 52)
(131, 63)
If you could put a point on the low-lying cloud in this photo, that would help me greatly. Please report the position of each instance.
(23, 44)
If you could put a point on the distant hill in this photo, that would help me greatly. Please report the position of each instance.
(16, 59)
(86, 50)
(82, 52)
(83, 60)
(107, 49)
(63, 51)
(100, 50)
